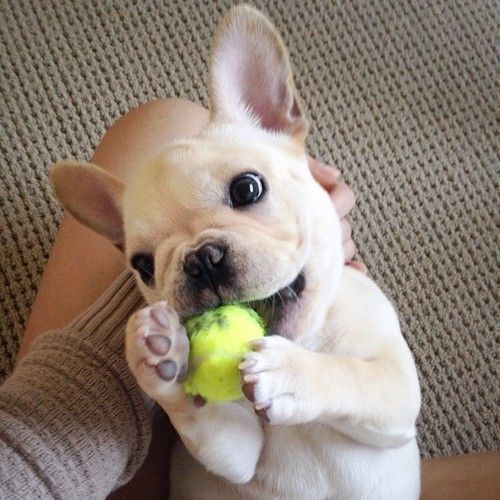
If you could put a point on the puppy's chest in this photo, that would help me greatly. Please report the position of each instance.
(302, 460)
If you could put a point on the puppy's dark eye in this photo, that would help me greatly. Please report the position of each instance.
(144, 263)
(245, 189)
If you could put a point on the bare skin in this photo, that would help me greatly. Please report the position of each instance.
(83, 264)
(464, 477)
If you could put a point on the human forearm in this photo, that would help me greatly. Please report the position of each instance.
(73, 423)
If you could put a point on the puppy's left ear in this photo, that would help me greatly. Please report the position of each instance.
(92, 196)
(251, 77)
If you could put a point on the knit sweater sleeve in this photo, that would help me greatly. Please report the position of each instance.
(73, 423)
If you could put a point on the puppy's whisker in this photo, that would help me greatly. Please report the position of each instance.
(292, 293)
(273, 306)
(281, 298)
(148, 274)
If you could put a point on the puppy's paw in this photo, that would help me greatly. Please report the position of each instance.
(157, 350)
(277, 381)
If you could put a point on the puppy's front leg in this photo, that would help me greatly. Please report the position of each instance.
(373, 401)
(226, 438)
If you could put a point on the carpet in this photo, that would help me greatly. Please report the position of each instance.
(402, 99)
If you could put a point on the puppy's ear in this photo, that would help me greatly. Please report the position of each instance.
(250, 75)
(92, 196)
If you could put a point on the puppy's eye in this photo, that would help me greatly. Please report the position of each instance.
(144, 263)
(245, 189)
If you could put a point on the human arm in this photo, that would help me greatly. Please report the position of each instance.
(73, 423)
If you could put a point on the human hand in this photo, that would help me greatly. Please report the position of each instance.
(343, 200)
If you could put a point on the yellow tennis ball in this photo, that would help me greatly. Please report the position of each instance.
(218, 341)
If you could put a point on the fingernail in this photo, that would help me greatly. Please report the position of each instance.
(247, 364)
(335, 173)
(256, 344)
(262, 406)
(359, 266)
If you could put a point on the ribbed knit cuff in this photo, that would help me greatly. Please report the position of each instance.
(73, 413)
(104, 322)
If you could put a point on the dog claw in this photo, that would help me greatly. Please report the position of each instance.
(261, 411)
(256, 345)
(199, 401)
(248, 363)
(249, 391)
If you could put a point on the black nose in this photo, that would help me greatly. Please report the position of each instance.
(207, 265)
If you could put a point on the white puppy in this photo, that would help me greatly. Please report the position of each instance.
(235, 215)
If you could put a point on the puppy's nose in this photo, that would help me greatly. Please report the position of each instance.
(206, 264)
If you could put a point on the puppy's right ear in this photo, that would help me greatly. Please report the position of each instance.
(251, 76)
(92, 196)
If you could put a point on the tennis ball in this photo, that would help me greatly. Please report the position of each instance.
(218, 341)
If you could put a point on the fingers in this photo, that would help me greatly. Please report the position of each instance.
(326, 175)
(343, 198)
(329, 177)
(358, 265)
(350, 247)
(346, 230)
(349, 250)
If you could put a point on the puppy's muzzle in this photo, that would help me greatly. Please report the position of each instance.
(207, 267)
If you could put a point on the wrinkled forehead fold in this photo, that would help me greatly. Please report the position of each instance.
(188, 183)
(170, 195)
(170, 179)
(150, 200)
(229, 151)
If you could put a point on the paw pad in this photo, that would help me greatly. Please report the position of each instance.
(166, 370)
(158, 344)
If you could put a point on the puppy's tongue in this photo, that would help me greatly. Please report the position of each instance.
(273, 309)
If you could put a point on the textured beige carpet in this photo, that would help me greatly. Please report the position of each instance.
(402, 99)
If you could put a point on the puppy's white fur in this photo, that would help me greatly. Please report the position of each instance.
(339, 385)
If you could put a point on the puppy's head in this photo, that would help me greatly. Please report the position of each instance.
(232, 215)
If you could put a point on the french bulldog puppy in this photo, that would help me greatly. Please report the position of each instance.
(234, 215)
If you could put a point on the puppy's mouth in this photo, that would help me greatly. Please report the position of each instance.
(274, 309)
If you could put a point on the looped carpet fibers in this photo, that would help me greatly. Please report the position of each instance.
(402, 99)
